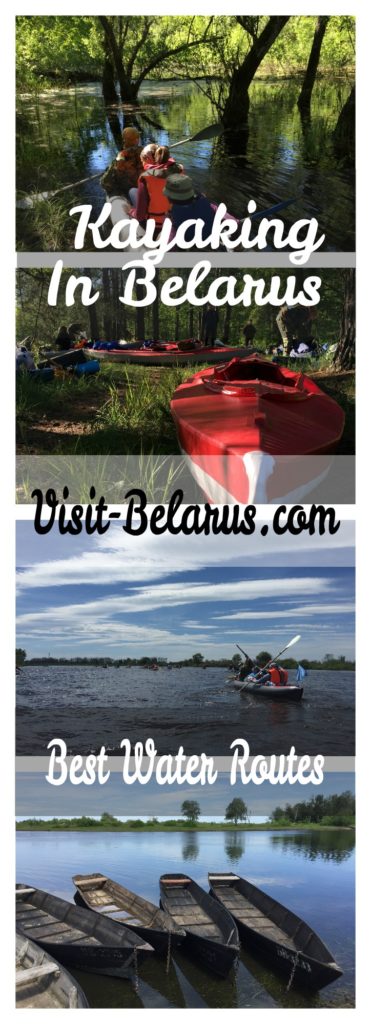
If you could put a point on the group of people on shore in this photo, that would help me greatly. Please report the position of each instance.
(156, 185)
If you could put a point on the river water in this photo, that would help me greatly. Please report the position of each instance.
(195, 707)
(312, 873)
(68, 134)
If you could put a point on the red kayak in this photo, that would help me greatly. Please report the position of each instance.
(245, 426)
(170, 354)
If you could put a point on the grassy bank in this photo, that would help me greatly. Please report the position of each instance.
(125, 410)
(172, 825)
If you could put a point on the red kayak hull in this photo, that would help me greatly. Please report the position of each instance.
(170, 355)
(245, 427)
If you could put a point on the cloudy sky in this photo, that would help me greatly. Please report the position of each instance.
(121, 596)
(34, 796)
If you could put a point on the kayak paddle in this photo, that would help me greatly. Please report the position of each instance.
(210, 132)
(290, 644)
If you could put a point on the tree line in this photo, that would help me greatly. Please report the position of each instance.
(110, 320)
(338, 809)
(330, 662)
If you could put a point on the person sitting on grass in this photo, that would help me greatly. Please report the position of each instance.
(149, 198)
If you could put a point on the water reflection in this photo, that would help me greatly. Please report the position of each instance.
(190, 846)
(234, 844)
(68, 134)
(313, 845)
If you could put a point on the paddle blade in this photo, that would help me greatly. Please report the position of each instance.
(294, 641)
(211, 132)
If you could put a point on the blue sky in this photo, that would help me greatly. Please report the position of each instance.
(35, 796)
(121, 596)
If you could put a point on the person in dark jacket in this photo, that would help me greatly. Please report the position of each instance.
(187, 204)
(209, 325)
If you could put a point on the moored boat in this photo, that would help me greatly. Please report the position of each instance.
(211, 936)
(42, 983)
(169, 354)
(273, 932)
(79, 938)
(99, 893)
(244, 428)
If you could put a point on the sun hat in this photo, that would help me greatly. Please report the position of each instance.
(179, 187)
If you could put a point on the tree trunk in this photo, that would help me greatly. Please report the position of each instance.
(345, 354)
(344, 133)
(107, 320)
(190, 321)
(140, 323)
(93, 316)
(110, 94)
(305, 97)
(236, 108)
(227, 323)
(155, 312)
(128, 89)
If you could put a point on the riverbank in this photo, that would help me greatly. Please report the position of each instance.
(63, 824)
(126, 411)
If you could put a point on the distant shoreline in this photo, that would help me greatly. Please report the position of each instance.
(44, 826)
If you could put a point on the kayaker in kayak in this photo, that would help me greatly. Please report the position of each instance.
(124, 171)
(187, 204)
(209, 325)
(149, 199)
(246, 668)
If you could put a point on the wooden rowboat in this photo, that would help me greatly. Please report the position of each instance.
(272, 931)
(42, 983)
(211, 936)
(99, 893)
(79, 938)
(245, 428)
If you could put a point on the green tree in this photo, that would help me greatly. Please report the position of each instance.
(20, 656)
(264, 657)
(137, 45)
(191, 810)
(236, 811)
(197, 659)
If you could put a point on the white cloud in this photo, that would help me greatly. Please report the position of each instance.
(116, 557)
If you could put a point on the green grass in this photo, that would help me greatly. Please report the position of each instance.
(125, 411)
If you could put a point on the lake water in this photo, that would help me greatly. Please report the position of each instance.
(67, 134)
(195, 707)
(312, 873)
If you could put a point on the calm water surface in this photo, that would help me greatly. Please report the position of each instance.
(312, 873)
(195, 707)
(67, 134)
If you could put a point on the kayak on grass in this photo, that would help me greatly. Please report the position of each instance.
(245, 426)
(185, 353)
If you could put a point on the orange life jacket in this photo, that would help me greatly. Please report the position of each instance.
(158, 204)
(279, 676)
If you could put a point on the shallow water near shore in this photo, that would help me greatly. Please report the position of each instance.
(312, 873)
(68, 134)
(197, 708)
